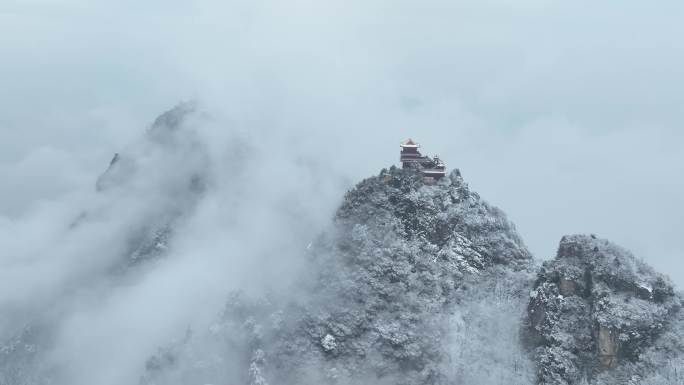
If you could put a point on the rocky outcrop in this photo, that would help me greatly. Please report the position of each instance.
(385, 281)
(607, 346)
(593, 308)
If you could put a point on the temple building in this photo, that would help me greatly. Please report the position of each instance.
(432, 169)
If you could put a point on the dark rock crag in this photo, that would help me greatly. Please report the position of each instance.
(593, 308)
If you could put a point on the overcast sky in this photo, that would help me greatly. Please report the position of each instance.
(566, 114)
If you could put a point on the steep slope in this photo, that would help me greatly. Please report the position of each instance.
(147, 203)
(597, 313)
(169, 144)
(378, 303)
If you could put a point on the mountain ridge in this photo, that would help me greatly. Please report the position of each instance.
(411, 283)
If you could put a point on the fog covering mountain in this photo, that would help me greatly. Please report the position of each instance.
(170, 276)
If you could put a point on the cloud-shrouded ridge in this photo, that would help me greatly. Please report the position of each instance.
(547, 107)
(226, 212)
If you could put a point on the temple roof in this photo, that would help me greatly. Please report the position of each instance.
(409, 143)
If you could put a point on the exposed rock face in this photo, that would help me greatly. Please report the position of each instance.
(567, 286)
(607, 347)
(593, 308)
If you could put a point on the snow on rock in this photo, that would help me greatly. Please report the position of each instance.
(328, 342)
(412, 283)
(594, 308)
(380, 304)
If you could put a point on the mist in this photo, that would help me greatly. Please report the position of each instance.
(565, 115)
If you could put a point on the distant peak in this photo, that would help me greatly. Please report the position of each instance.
(171, 120)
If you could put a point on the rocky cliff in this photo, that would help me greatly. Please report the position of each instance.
(594, 313)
